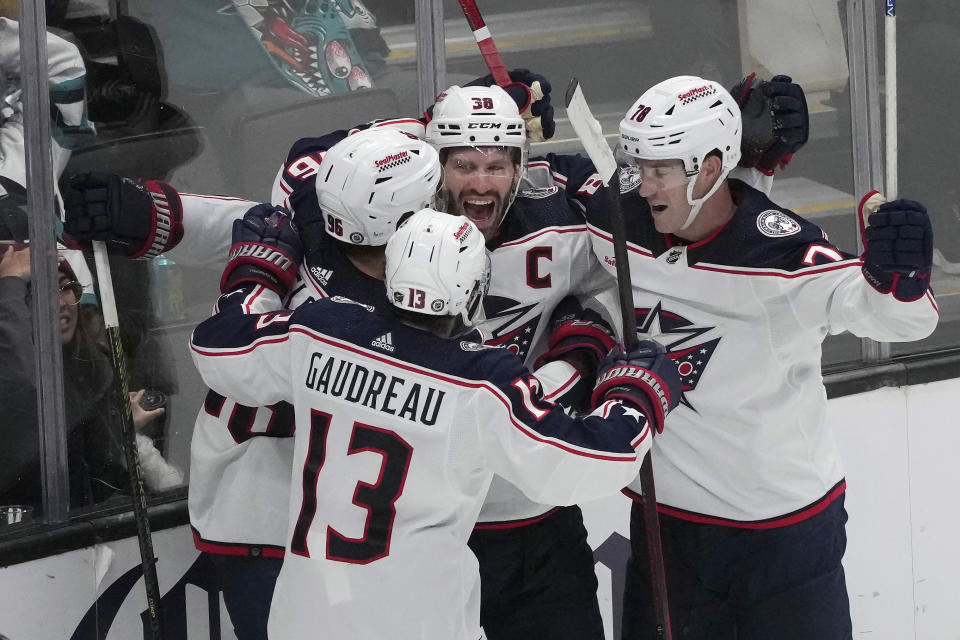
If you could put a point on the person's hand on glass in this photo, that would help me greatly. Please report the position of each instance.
(142, 417)
(15, 263)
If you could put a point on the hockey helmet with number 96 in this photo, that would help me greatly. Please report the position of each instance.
(437, 265)
(368, 181)
(684, 118)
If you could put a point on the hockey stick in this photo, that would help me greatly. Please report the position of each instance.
(591, 137)
(488, 49)
(890, 99)
(121, 388)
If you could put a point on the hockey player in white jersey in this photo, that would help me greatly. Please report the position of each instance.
(537, 568)
(742, 292)
(403, 418)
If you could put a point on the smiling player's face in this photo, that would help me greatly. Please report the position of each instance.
(477, 183)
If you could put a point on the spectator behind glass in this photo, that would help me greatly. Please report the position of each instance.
(94, 455)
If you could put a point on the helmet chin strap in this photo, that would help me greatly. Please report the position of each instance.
(696, 204)
(514, 190)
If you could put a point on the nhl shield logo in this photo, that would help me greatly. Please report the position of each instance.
(773, 224)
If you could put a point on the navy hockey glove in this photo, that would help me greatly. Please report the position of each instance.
(646, 377)
(776, 123)
(898, 249)
(579, 332)
(135, 219)
(266, 250)
(531, 92)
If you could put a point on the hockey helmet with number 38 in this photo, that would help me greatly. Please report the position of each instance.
(437, 265)
(477, 117)
(368, 181)
(684, 118)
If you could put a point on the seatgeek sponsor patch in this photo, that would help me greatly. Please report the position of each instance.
(774, 224)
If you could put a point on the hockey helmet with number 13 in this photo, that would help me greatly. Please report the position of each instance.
(684, 118)
(368, 181)
(437, 265)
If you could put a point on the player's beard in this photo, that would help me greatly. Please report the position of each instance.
(486, 217)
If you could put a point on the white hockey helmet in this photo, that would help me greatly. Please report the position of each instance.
(480, 117)
(684, 118)
(437, 265)
(368, 181)
(476, 117)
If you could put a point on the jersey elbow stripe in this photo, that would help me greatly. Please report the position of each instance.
(563, 388)
(780, 273)
(543, 232)
(237, 351)
(609, 238)
(599, 454)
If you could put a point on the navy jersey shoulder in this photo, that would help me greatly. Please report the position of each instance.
(378, 329)
(762, 234)
(542, 201)
(332, 273)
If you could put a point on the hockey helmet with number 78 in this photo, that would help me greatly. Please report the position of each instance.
(684, 118)
(437, 265)
(368, 181)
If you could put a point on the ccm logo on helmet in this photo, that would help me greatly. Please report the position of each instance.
(264, 253)
(483, 125)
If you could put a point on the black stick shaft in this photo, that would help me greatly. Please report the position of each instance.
(651, 520)
(121, 399)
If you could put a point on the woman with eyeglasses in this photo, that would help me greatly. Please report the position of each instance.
(94, 455)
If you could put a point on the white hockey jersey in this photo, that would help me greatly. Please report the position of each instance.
(543, 253)
(398, 435)
(743, 313)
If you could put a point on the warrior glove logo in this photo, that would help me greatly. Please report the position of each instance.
(638, 374)
(262, 253)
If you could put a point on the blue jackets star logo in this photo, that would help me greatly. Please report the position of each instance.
(683, 342)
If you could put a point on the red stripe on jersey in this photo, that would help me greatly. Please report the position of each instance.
(346, 346)
(225, 199)
(782, 274)
(251, 297)
(576, 229)
(933, 301)
(236, 352)
(562, 389)
(513, 524)
(237, 548)
(609, 238)
(794, 517)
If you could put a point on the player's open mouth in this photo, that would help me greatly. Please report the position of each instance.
(480, 210)
(658, 208)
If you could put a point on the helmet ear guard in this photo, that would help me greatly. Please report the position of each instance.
(369, 180)
(685, 118)
(437, 265)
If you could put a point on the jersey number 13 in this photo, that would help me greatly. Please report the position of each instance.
(378, 499)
